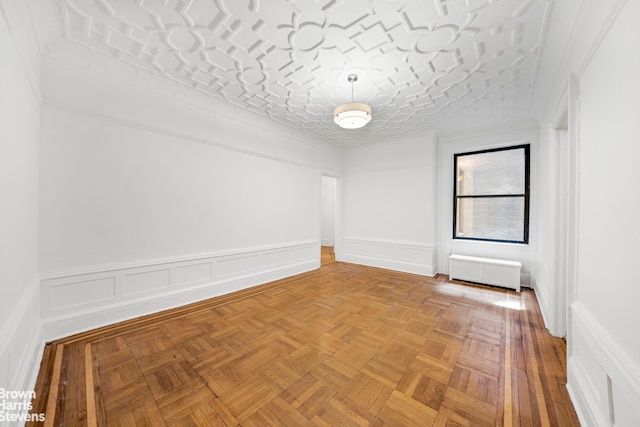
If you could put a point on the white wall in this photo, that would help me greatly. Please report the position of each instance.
(389, 205)
(607, 298)
(609, 158)
(604, 104)
(328, 202)
(113, 194)
(70, 88)
(19, 281)
(149, 203)
(450, 145)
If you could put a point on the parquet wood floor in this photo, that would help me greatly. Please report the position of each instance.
(327, 256)
(345, 345)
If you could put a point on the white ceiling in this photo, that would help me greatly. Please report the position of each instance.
(428, 65)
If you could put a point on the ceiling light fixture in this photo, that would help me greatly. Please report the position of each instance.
(353, 115)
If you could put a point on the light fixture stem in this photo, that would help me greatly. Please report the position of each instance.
(352, 78)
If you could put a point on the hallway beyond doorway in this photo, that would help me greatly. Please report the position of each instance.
(327, 255)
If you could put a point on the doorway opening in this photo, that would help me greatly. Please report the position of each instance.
(565, 135)
(328, 219)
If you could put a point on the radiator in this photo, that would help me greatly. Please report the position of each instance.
(488, 271)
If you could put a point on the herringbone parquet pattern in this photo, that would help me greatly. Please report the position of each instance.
(345, 345)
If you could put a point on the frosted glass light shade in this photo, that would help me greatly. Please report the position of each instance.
(352, 116)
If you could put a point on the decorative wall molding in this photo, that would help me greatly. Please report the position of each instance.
(583, 396)
(21, 342)
(77, 300)
(212, 140)
(608, 18)
(14, 14)
(603, 381)
(416, 258)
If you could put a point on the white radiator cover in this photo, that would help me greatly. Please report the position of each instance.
(489, 271)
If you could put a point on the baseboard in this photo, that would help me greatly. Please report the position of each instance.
(603, 381)
(74, 302)
(399, 256)
(542, 302)
(21, 342)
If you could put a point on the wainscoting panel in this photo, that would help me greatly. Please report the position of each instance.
(275, 258)
(21, 342)
(188, 274)
(234, 266)
(148, 281)
(75, 301)
(400, 256)
(77, 293)
(603, 381)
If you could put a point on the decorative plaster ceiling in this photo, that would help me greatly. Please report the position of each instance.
(422, 65)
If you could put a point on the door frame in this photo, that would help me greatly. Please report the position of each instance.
(337, 197)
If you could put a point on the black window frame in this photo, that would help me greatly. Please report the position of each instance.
(526, 193)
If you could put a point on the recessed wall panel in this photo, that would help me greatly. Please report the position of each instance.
(358, 248)
(235, 266)
(77, 293)
(306, 254)
(144, 282)
(193, 273)
(414, 254)
(272, 259)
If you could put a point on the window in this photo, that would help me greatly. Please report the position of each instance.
(491, 195)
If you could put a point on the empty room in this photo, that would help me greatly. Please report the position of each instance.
(319, 212)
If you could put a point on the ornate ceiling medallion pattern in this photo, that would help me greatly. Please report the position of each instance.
(440, 65)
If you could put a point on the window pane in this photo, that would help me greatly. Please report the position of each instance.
(492, 173)
(495, 218)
